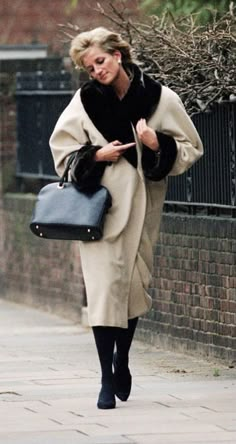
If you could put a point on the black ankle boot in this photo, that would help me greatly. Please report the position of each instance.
(106, 398)
(122, 379)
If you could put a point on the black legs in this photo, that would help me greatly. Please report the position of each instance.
(105, 341)
(122, 376)
(118, 383)
(124, 337)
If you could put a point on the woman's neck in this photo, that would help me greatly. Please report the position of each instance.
(121, 84)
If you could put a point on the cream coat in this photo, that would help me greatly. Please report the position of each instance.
(118, 268)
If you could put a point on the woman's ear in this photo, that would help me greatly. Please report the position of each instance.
(117, 55)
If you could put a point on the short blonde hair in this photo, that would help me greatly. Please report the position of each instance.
(107, 40)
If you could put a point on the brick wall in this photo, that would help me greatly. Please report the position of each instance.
(42, 273)
(29, 21)
(194, 286)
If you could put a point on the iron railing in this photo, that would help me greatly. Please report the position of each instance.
(40, 98)
(209, 186)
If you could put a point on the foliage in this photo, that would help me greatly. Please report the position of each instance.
(203, 8)
(73, 3)
(216, 372)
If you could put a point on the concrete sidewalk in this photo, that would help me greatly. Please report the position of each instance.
(49, 382)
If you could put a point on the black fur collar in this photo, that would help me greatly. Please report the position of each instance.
(112, 116)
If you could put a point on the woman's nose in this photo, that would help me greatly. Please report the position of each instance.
(97, 69)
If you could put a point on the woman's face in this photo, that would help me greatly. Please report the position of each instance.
(101, 65)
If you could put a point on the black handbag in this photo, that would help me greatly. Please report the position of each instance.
(64, 211)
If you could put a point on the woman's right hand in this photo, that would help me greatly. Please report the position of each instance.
(112, 151)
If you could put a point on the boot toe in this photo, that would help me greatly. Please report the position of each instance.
(106, 399)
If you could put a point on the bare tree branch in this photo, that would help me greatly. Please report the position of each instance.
(198, 62)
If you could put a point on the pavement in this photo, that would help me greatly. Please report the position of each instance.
(50, 378)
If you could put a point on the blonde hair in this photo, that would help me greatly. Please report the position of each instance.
(101, 37)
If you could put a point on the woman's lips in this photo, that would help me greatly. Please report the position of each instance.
(103, 76)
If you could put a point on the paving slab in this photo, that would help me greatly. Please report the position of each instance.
(50, 379)
(61, 438)
(184, 438)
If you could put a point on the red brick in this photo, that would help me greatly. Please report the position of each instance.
(29, 20)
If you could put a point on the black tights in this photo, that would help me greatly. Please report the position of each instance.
(106, 338)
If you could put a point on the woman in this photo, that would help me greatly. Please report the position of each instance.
(130, 133)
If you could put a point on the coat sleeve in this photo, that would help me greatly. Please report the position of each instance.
(68, 135)
(176, 123)
(157, 165)
(85, 171)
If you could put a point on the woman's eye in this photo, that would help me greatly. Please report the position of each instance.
(97, 62)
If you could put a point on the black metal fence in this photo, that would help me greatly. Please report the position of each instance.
(209, 186)
(40, 98)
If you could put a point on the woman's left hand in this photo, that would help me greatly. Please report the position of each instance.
(147, 135)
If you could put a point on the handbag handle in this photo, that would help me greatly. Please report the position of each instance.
(64, 177)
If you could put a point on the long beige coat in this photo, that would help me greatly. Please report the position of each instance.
(118, 268)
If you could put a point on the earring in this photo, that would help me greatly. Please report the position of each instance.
(119, 61)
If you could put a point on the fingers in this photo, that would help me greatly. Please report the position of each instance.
(113, 151)
(141, 126)
(123, 147)
(147, 135)
(120, 150)
(128, 145)
(116, 143)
